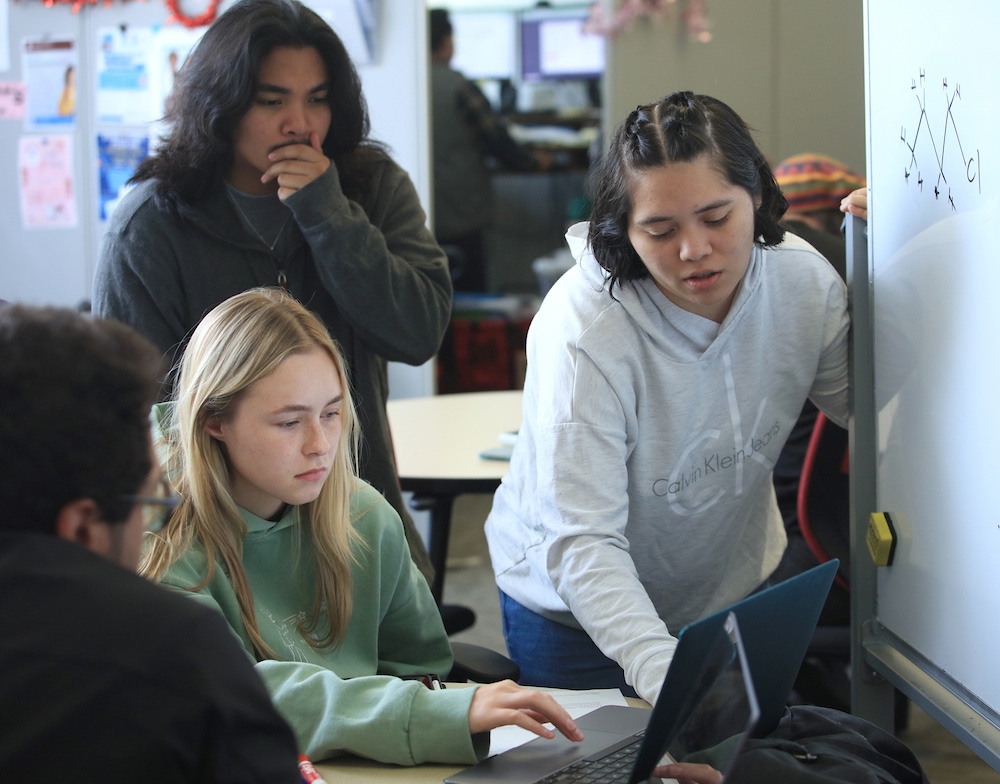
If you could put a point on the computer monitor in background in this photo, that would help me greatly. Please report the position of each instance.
(554, 46)
(485, 44)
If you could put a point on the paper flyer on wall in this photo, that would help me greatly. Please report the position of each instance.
(117, 156)
(136, 68)
(173, 44)
(50, 70)
(45, 180)
(13, 100)
(124, 91)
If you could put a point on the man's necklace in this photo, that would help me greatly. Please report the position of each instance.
(253, 228)
(282, 276)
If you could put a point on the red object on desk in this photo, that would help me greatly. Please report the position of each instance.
(309, 774)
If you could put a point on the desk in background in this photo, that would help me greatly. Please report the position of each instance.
(437, 441)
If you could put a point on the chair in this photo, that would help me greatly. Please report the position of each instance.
(824, 497)
(479, 664)
(472, 662)
(823, 506)
(456, 617)
(824, 519)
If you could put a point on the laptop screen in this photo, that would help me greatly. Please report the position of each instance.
(718, 713)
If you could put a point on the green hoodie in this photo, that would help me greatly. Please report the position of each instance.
(346, 699)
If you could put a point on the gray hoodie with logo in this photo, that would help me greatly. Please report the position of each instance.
(639, 496)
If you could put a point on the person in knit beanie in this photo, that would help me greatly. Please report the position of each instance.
(814, 186)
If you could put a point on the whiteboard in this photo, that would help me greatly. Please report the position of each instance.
(934, 247)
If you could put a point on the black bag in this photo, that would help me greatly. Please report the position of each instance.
(813, 745)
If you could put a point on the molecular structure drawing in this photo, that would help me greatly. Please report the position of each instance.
(966, 167)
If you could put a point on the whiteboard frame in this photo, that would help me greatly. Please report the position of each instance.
(881, 660)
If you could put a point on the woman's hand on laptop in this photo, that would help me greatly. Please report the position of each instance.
(689, 773)
(499, 704)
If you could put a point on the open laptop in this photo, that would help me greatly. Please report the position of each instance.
(775, 626)
(706, 709)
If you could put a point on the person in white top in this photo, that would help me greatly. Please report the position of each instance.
(665, 370)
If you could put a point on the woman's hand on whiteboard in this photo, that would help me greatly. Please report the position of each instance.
(856, 203)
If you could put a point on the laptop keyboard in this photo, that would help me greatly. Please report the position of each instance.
(612, 769)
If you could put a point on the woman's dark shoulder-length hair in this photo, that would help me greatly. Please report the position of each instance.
(679, 128)
(217, 85)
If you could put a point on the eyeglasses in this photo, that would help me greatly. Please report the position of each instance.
(156, 509)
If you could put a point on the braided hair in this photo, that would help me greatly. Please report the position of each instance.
(677, 129)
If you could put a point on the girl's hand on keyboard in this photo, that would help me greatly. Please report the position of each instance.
(499, 704)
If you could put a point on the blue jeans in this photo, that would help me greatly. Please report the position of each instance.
(550, 654)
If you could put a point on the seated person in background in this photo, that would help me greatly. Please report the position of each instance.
(268, 177)
(815, 186)
(465, 131)
(307, 562)
(105, 677)
(665, 371)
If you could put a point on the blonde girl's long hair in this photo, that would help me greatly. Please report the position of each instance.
(238, 343)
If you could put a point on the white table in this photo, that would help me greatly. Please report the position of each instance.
(437, 441)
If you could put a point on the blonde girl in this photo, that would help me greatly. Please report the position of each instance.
(307, 562)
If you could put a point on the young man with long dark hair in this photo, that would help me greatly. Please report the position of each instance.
(267, 177)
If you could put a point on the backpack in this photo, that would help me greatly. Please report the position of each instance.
(814, 745)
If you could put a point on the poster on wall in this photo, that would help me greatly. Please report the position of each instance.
(50, 69)
(117, 156)
(136, 68)
(173, 44)
(124, 91)
(45, 182)
(13, 99)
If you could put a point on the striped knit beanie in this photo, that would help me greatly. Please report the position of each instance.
(813, 182)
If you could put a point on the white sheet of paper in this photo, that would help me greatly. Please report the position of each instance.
(576, 703)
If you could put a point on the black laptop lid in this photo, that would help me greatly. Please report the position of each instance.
(706, 715)
(776, 625)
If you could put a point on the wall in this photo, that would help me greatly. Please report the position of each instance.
(793, 69)
(396, 87)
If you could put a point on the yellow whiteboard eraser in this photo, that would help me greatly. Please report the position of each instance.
(881, 538)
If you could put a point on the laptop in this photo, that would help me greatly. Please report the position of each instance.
(707, 708)
(775, 627)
